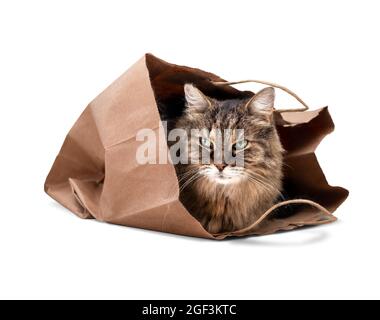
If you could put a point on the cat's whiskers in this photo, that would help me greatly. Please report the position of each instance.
(255, 181)
(186, 174)
(191, 180)
(180, 178)
(263, 182)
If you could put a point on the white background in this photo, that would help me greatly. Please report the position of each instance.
(56, 56)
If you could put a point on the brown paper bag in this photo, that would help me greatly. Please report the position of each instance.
(96, 175)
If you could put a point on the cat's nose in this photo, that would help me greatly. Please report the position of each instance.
(221, 166)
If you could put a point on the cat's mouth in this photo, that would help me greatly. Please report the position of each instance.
(226, 181)
(223, 178)
(226, 176)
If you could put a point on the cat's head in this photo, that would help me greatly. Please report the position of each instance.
(238, 135)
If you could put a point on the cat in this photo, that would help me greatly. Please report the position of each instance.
(226, 196)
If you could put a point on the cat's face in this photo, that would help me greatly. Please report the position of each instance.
(238, 136)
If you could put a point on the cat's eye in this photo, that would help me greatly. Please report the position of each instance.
(240, 145)
(205, 142)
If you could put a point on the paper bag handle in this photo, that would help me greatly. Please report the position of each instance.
(329, 216)
(275, 85)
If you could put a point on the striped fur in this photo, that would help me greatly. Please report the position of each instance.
(224, 207)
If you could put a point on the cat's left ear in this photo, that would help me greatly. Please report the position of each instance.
(196, 99)
(263, 101)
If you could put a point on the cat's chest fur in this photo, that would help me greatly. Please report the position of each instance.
(221, 208)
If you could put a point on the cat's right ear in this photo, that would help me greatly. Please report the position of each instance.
(195, 99)
(263, 101)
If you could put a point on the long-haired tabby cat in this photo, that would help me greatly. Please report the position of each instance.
(224, 196)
